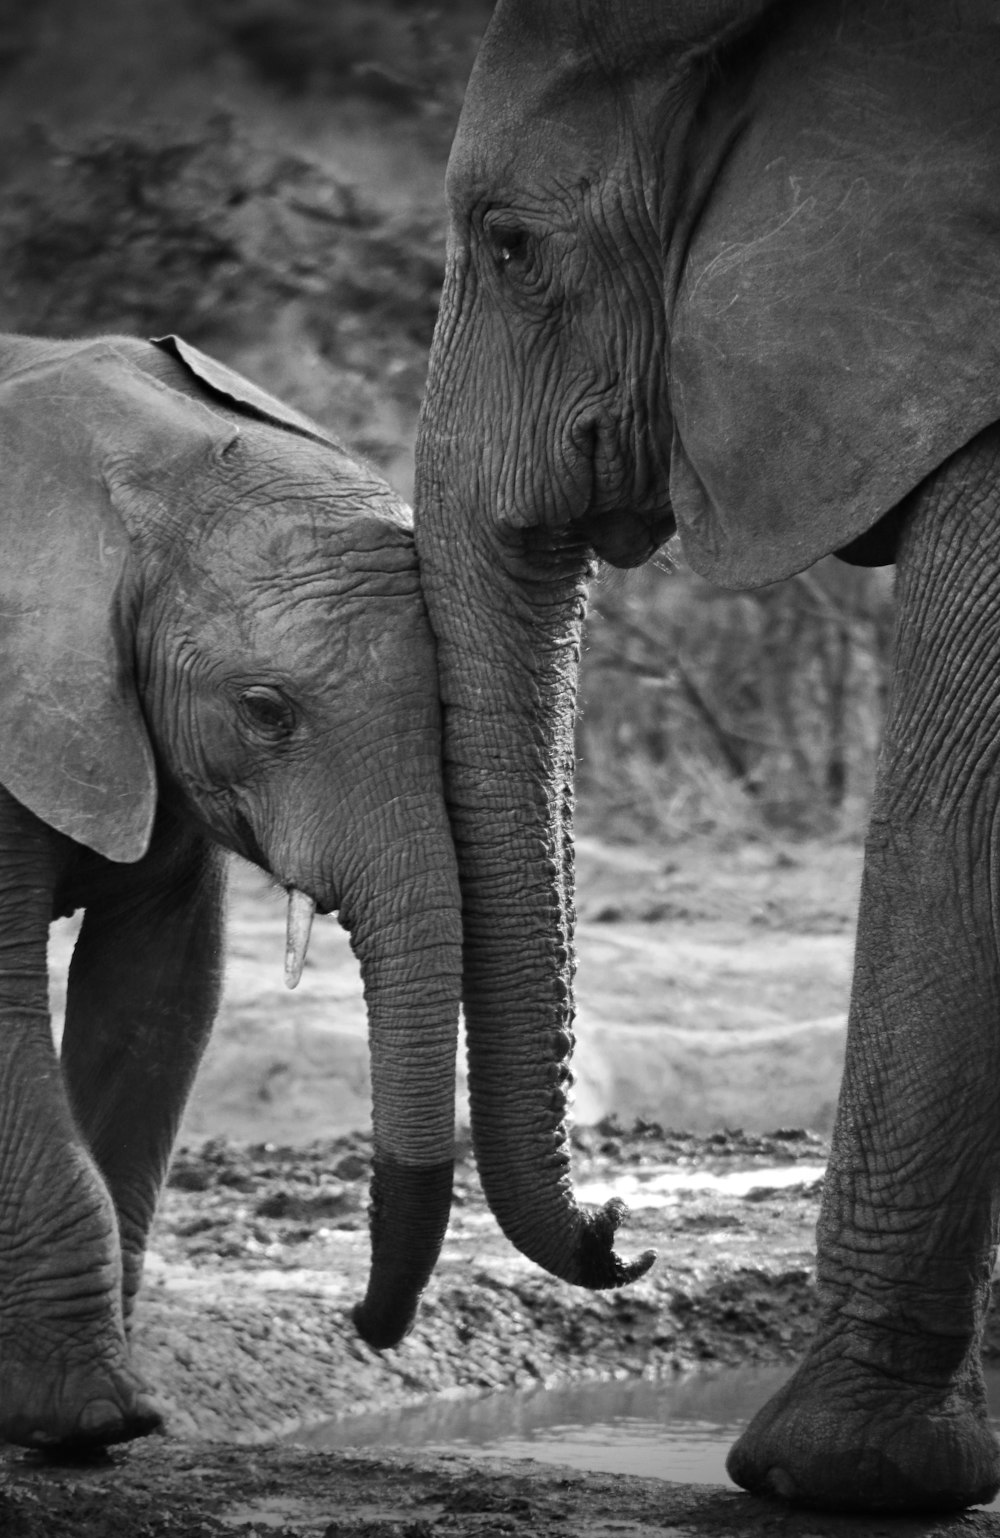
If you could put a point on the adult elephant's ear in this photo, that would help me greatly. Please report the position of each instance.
(233, 389)
(73, 743)
(835, 330)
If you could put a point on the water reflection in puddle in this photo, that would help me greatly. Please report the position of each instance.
(662, 1185)
(674, 1428)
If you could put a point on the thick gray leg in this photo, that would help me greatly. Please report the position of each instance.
(888, 1410)
(65, 1377)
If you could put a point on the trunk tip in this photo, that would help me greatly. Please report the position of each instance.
(382, 1328)
(408, 1216)
(599, 1266)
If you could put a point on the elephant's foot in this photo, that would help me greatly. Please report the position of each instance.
(73, 1409)
(846, 1436)
(66, 1382)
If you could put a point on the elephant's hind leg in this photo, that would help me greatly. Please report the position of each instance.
(65, 1378)
(888, 1410)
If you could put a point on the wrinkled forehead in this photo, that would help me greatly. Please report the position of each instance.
(557, 83)
(337, 485)
(528, 126)
(553, 94)
(301, 535)
(301, 589)
(295, 508)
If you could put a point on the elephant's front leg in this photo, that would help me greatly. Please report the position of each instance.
(888, 1410)
(65, 1378)
(144, 987)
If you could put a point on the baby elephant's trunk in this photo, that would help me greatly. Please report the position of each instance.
(407, 935)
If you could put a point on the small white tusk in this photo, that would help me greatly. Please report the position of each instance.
(300, 916)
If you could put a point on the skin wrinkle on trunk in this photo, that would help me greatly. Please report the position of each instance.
(411, 994)
(398, 883)
(519, 1017)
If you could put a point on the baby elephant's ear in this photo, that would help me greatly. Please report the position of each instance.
(232, 389)
(73, 744)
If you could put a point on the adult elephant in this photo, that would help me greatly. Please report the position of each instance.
(212, 632)
(732, 269)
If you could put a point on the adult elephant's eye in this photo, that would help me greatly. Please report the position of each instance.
(267, 711)
(510, 243)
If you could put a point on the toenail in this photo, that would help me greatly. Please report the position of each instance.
(97, 1417)
(147, 1410)
(781, 1483)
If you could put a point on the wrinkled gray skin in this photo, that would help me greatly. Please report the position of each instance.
(731, 269)
(212, 634)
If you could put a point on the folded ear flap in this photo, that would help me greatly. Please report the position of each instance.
(834, 333)
(73, 743)
(232, 389)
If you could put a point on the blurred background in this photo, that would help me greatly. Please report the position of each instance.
(265, 177)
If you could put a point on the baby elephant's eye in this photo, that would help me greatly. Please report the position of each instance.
(267, 711)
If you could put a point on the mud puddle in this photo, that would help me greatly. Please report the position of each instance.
(678, 1429)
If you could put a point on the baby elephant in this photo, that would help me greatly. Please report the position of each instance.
(212, 634)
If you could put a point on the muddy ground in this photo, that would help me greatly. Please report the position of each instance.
(733, 962)
(262, 1249)
(243, 1325)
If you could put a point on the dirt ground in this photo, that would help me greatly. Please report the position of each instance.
(712, 979)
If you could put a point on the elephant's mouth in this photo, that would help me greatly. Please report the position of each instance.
(629, 538)
(243, 840)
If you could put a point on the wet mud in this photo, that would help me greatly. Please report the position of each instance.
(243, 1327)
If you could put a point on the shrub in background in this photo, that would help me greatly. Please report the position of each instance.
(703, 710)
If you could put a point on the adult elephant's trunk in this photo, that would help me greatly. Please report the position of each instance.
(507, 613)
(401, 906)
